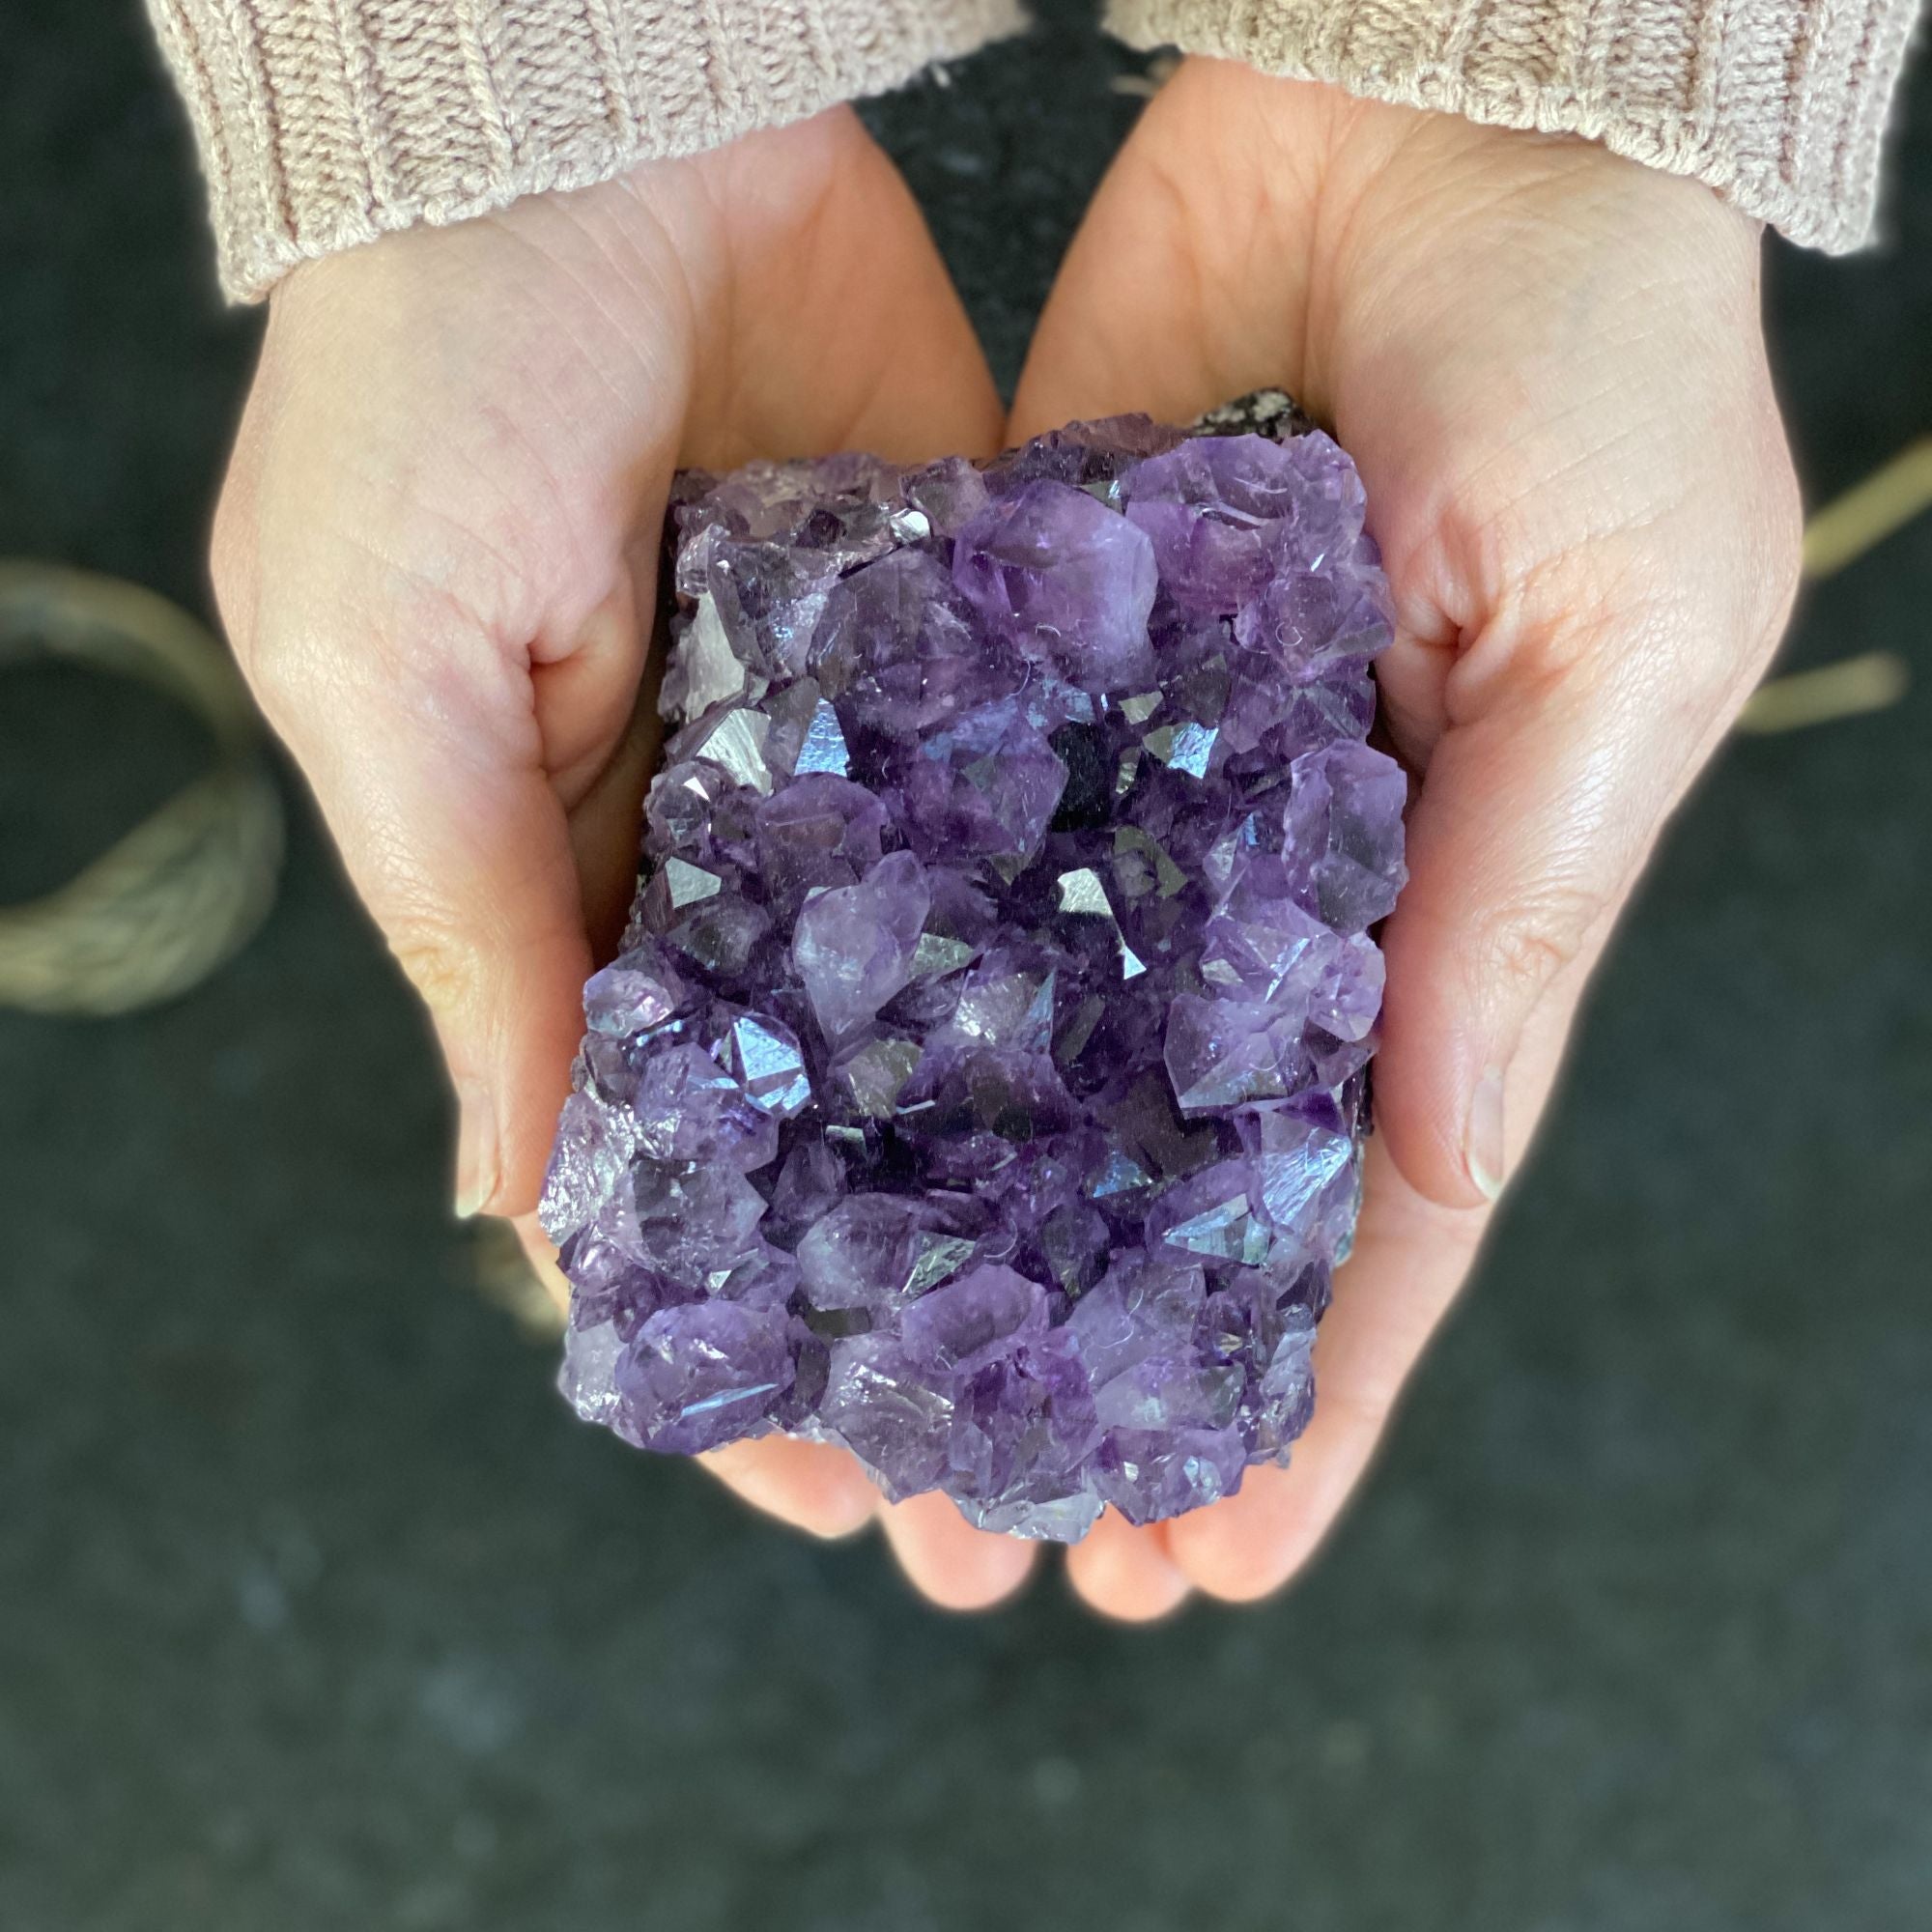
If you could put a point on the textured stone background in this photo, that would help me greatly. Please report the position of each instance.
(317, 1611)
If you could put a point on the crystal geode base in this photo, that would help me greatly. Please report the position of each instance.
(981, 1083)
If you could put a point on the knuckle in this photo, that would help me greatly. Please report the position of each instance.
(402, 650)
(1529, 945)
(434, 957)
(1560, 623)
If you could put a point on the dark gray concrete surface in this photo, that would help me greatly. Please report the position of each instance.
(317, 1610)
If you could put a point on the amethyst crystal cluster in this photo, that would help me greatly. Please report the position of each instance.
(983, 1080)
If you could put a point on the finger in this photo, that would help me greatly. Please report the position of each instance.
(814, 1486)
(960, 1568)
(542, 1258)
(1564, 756)
(1411, 1257)
(1126, 1573)
(451, 679)
(604, 801)
(416, 729)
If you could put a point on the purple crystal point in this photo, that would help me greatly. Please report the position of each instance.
(702, 1375)
(1065, 580)
(853, 946)
(982, 1081)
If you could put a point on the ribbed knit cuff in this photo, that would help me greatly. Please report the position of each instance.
(1778, 104)
(326, 123)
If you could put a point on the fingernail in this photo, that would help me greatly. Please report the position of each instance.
(1482, 1144)
(475, 1148)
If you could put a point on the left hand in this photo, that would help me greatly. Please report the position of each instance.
(1548, 366)
(436, 555)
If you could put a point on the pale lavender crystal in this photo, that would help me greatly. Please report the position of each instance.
(983, 1080)
(1066, 580)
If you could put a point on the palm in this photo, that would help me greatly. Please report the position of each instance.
(1545, 363)
(795, 305)
(439, 532)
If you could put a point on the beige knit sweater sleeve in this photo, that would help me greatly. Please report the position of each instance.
(1778, 104)
(326, 123)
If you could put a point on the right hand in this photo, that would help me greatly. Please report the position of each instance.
(1547, 364)
(435, 556)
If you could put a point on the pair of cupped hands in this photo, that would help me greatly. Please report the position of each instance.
(436, 550)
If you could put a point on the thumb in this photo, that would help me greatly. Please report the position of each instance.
(1563, 755)
(420, 735)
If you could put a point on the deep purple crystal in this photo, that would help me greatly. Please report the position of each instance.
(982, 1084)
